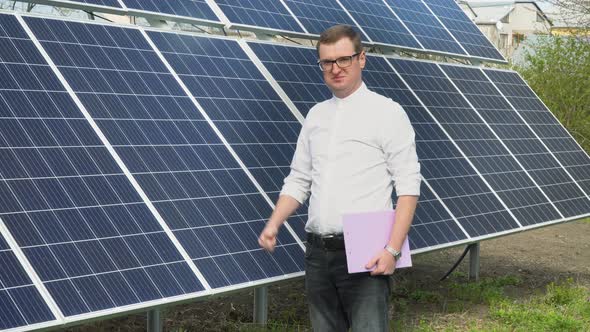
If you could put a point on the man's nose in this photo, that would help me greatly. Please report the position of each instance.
(336, 69)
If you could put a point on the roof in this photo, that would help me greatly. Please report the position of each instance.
(490, 12)
(492, 15)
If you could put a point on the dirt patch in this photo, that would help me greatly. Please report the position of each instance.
(536, 257)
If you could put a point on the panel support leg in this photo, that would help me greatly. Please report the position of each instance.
(154, 321)
(474, 262)
(261, 305)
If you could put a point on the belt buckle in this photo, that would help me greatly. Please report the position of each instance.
(329, 242)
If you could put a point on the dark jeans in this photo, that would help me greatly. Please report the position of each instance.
(339, 300)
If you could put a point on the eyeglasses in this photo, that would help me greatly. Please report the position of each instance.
(342, 62)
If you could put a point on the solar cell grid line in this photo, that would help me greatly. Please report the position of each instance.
(380, 23)
(433, 225)
(476, 142)
(260, 15)
(177, 159)
(570, 155)
(318, 15)
(21, 303)
(464, 30)
(194, 9)
(425, 26)
(65, 200)
(240, 102)
(520, 140)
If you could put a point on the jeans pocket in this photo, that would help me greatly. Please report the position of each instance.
(308, 250)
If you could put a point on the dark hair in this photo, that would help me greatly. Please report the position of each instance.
(337, 32)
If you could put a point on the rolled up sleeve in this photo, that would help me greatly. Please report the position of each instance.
(399, 146)
(298, 183)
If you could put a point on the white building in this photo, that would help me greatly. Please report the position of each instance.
(508, 23)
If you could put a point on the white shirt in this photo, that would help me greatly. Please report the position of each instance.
(350, 153)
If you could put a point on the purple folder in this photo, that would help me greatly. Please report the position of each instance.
(365, 234)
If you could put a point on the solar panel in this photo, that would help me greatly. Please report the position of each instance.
(318, 15)
(296, 71)
(194, 182)
(20, 301)
(520, 140)
(425, 26)
(82, 226)
(380, 23)
(463, 29)
(198, 9)
(556, 138)
(445, 170)
(260, 14)
(482, 147)
(248, 113)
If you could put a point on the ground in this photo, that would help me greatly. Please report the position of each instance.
(521, 264)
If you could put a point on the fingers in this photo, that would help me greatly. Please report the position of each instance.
(268, 238)
(372, 262)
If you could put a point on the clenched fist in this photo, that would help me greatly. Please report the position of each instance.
(268, 237)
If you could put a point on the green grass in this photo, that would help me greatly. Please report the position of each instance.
(488, 290)
(564, 307)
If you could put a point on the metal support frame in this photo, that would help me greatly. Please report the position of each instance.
(474, 262)
(155, 323)
(157, 23)
(261, 305)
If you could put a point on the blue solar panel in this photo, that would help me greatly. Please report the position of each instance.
(79, 221)
(520, 140)
(463, 29)
(188, 8)
(295, 70)
(424, 25)
(198, 188)
(20, 302)
(318, 15)
(485, 151)
(571, 156)
(380, 23)
(269, 14)
(251, 117)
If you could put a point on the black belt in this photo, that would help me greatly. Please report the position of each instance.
(326, 242)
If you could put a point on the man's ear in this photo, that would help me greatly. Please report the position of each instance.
(362, 59)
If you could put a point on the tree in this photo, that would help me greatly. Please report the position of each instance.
(574, 13)
(558, 69)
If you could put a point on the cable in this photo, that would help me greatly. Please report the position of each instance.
(458, 261)
(200, 29)
(291, 40)
(93, 14)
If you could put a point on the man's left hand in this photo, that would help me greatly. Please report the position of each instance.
(384, 263)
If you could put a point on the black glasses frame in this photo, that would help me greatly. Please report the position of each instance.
(341, 62)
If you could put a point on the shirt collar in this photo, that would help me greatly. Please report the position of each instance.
(355, 95)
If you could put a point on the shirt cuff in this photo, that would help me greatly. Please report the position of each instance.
(408, 185)
(296, 193)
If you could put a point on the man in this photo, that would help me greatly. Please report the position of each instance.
(352, 150)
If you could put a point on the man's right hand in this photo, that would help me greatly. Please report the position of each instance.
(268, 237)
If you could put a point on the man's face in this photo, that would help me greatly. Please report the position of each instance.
(342, 81)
